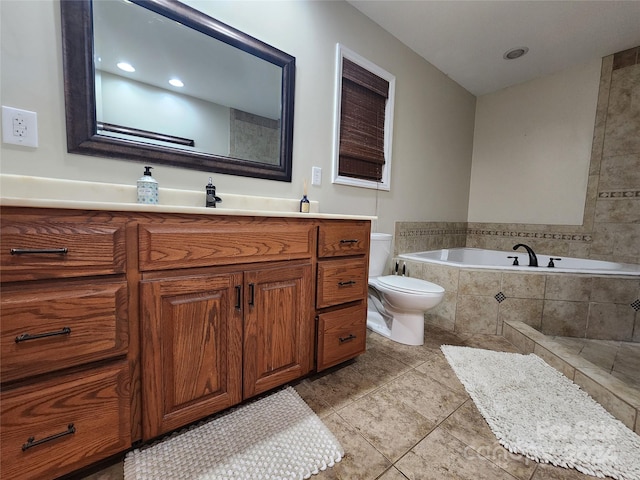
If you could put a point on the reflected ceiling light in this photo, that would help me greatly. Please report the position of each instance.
(126, 67)
(514, 53)
(176, 82)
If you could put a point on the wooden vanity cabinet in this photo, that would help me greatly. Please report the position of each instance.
(234, 321)
(119, 327)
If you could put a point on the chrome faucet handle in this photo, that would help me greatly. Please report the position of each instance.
(551, 264)
(515, 260)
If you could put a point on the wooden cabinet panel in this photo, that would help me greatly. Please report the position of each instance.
(65, 324)
(167, 246)
(90, 408)
(339, 239)
(341, 293)
(341, 281)
(191, 349)
(342, 335)
(45, 249)
(278, 327)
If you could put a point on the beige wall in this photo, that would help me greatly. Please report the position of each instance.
(532, 147)
(433, 123)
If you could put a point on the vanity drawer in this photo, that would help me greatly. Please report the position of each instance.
(73, 421)
(66, 324)
(339, 239)
(341, 281)
(183, 246)
(43, 249)
(342, 335)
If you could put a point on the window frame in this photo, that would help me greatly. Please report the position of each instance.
(385, 183)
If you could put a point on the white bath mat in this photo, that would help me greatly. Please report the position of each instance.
(536, 411)
(276, 437)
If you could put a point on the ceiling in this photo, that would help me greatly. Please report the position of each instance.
(467, 39)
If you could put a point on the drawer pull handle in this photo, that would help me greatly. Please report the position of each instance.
(346, 339)
(53, 251)
(32, 442)
(347, 283)
(352, 240)
(27, 336)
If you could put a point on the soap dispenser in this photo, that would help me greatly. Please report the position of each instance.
(147, 188)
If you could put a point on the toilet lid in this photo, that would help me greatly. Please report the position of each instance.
(409, 284)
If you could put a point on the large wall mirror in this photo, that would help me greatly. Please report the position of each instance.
(160, 82)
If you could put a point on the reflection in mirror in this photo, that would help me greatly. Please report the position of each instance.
(228, 108)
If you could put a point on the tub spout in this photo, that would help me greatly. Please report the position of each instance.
(533, 260)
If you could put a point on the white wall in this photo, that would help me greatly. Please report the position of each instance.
(159, 110)
(532, 148)
(433, 123)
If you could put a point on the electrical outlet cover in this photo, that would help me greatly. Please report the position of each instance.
(19, 127)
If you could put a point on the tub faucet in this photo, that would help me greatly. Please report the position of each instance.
(533, 260)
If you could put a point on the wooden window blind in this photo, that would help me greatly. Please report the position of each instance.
(362, 120)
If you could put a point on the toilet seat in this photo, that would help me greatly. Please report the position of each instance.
(409, 285)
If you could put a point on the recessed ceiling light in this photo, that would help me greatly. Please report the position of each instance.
(126, 67)
(514, 53)
(176, 82)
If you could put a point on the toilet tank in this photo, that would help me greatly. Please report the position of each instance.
(379, 253)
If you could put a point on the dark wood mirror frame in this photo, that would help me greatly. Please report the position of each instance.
(80, 101)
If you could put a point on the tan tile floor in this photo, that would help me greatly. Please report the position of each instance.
(401, 413)
(620, 359)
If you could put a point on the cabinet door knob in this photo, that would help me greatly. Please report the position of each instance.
(238, 297)
(252, 294)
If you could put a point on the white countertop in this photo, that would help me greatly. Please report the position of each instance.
(40, 192)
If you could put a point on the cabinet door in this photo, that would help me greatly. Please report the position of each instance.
(191, 349)
(279, 333)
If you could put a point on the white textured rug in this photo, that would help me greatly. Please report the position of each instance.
(276, 437)
(536, 411)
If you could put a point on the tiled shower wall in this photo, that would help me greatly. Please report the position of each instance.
(611, 223)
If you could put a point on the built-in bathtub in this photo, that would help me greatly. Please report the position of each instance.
(575, 298)
(496, 259)
(485, 293)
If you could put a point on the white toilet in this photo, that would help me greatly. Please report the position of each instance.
(397, 303)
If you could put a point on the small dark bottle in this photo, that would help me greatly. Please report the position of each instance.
(211, 194)
(305, 205)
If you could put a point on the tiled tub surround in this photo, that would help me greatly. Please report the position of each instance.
(618, 398)
(423, 236)
(571, 305)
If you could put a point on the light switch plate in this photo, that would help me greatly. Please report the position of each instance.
(19, 127)
(316, 176)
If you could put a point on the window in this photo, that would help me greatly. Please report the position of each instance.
(364, 117)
